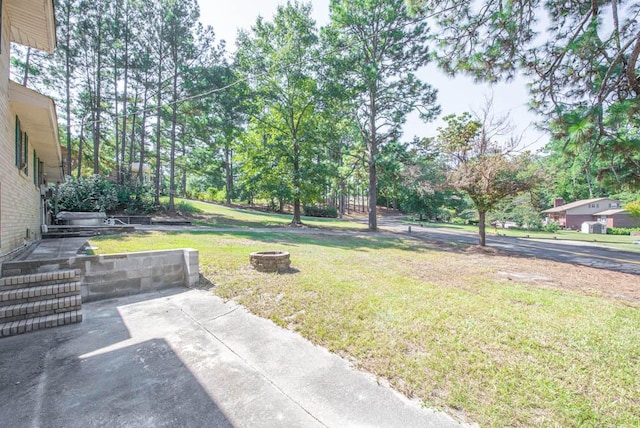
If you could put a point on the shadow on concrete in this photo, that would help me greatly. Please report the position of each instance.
(144, 384)
(91, 374)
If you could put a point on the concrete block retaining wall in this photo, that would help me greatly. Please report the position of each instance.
(115, 275)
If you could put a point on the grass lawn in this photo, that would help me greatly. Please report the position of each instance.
(214, 215)
(501, 341)
(615, 241)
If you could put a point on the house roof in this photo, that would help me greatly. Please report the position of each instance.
(32, 23)
(612, 211)
(38, 117)
(575, 204)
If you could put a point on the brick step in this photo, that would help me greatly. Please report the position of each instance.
(41, 292)
(37, 279)
(32, 324)
(22, 311)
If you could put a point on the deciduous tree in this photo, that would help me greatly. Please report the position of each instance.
(481, 166)
(280, 59)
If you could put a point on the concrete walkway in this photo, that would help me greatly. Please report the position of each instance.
(184, 358)
(48, 249)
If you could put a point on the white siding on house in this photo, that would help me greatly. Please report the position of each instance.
(592, 208)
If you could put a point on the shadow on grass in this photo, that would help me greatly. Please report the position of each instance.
(364, 241)
(290, 271)
(347, 240)
(219, 220)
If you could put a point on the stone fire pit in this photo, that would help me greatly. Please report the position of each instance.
(270, 261)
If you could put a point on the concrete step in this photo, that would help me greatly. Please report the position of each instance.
(32, 324)
(40, 308)
(170, 222)
(58, 235)
(68, 231)
(37, 279)
(41, 292)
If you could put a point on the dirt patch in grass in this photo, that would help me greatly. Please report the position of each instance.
(579, 279)
(541, 273)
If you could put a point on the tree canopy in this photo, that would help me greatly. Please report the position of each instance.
(306, 118)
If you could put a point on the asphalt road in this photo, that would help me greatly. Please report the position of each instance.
(574, 252)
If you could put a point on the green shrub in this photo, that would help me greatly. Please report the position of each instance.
(551, 227)
(622, 230)
(315, 211)
(210, 195)
(98, 194)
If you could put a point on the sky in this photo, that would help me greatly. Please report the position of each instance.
(455, 95)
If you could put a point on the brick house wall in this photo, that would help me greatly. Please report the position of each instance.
(20, 212)
(622, 220)
(574, 221)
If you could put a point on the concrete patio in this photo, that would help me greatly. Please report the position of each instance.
(185, 358)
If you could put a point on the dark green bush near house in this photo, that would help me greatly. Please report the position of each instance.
(315, 211)
(622, 230)
(98, 194)
(551, 227)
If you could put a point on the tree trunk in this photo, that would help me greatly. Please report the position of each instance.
(25, 79)
(98, 104)
(67, 82)
(159, 116)
(116, 78)
(373, 153)
(126, 166)
(482, 229)
(143, 134)
(228, 158)
(80, 144)
(132, 136)
(373, 220)
(341, 201)
(183, 183)
(296, 182)
(174, 119)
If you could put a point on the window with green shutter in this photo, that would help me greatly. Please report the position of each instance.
(18, 142)
(35, 168)
(25, 159)
(22, 148)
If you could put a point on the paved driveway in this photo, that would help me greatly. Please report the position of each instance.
(574, 252)
(184, 358)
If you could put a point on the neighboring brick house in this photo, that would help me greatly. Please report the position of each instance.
(618, 218)
(572, 215)
(604, 210)
(29, 146)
